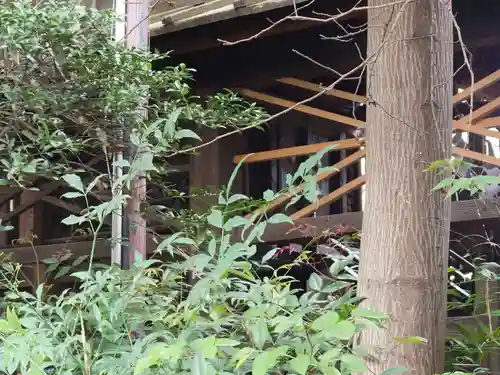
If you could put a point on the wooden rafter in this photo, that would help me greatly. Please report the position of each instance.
(70, 207)
(332, 197)
(318, 88)
(301, 108)
(298, 150)
(44, 191)
(478, 86)
(335, 169)
(490, 122)
(484, 111)
(466, 127)
(476, 156)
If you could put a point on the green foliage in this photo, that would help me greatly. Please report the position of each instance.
(150, 320)
(66, 86)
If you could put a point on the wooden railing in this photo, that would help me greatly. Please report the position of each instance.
(476, 122)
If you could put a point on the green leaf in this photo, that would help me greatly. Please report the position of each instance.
(199, 365)
(186, 133)
(267, 360)
(242, 355)
(330, 355)
(144, 162)
(212, 247)
(237, 197)
(74, 181)
(4, 326)
(268, 195)
(144, 363)
(330, 370)
(62, 271)
(215, 218)
(184, 241)
(73, 219)
(206, 347)
(79, 260)
(13, 321)
(269, 254)
(300, 363)
(394, 371)
(227, 342)
(444, 184)
(72, 194)
(315, 282)
(169, 127)
(233, 176)
(343, 330)
(353, 363)
(234, 222)
(280, 218)
(411, 340)
(260, 333)
(325, 321)
(361, 312)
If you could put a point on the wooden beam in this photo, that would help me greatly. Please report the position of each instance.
(318, 88)
(298, 151)
(463, 124)
(478, 86)
(15, 191)
(466, 127)
(461, 211)
(335, 169)
(483, 112)
(33, 198)
(301, 108)
(45, 190)
(476, 156)
(333, 196)
(490, 122)
(70, 207)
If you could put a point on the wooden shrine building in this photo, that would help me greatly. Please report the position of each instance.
(262, 50)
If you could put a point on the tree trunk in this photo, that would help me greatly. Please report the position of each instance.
(404, 248)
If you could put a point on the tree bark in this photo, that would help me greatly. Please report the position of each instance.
(405, 238)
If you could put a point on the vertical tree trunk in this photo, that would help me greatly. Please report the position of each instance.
(404, 248)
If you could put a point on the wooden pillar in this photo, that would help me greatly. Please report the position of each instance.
(487, 289)
(211, 168)
(204, 174)
(4, 235)
(31, 220)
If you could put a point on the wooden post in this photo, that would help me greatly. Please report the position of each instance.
(30, 221)
(487, 289)
(4, 235)
(137, 37)
(212, 167)
(204, 174)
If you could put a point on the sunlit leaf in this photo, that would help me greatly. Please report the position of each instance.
(74, 181)
(300, 363)
(215, 218)
(267, 360)
(326, 321)
(411, 339)
(394, 371)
